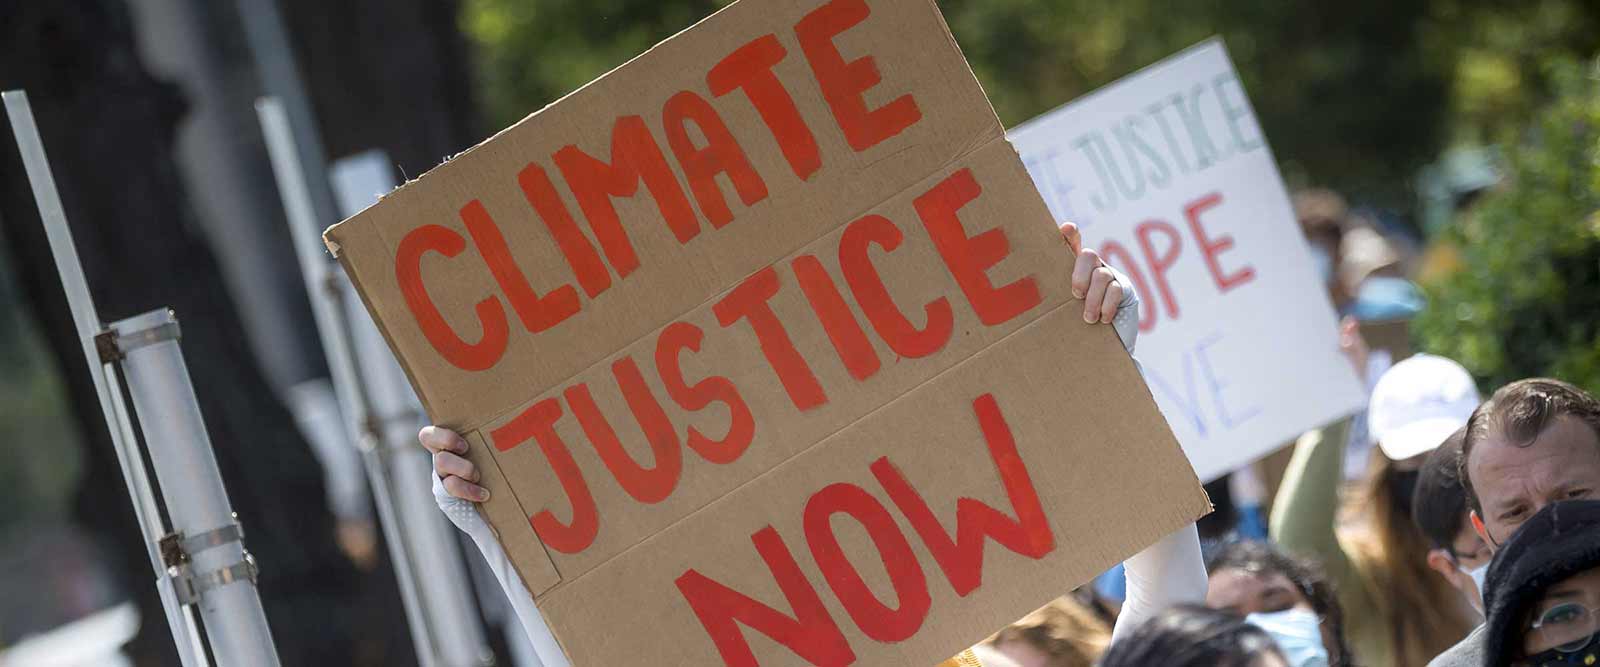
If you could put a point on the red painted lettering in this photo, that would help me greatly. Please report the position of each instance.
(962, 558)
(750, 68)
(538, 423)
(635, 157)
(751, 301)
(575, 247)
(875, 619)
(970, 257)
(491, 316)
(646, 485)
(721, 155)
(680, 336)
(867, 286)
(811, 633)
(1210, 249)
(843, 83)
(846, 334)
(1160, 264)
(537, 313)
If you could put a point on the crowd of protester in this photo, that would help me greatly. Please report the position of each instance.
(1430, 530)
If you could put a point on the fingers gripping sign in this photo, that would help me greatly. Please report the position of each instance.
(1108, 296)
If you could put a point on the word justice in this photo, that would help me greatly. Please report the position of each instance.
(966, 258)
(637, 157)
(811, 632)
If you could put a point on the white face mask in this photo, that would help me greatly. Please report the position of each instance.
(1298, 633)
(1477, 575)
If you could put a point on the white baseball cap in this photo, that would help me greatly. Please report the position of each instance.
(1418, 403)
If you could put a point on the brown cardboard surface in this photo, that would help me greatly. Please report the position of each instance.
(1089, 465)
(860, 309)
(914, 54)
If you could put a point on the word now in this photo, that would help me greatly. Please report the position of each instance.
(967, 259)
(637, 158)
(811, 632)
(1161, 245)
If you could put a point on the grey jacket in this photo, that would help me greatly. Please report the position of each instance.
(1467, 653)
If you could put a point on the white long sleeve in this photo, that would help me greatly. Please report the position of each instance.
(1166, 573)
(466, 518)
(1171, 571)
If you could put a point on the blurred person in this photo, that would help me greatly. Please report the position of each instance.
(1062, 633)
(1439, 509)
(1400, 613)
(1289, 598)
(1194, 636)
(1533, 443)
(455, 480)
(1324, 216)
(1544, 590)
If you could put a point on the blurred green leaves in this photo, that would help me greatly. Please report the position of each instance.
(1356, 95)
(1524, 298)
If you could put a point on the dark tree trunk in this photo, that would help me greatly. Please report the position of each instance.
(389, 74)
(108, 127)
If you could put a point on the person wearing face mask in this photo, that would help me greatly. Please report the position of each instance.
(1439, 509)
(1533, 443)
(1194, 636)
(1543, 591)
(1401, 614)
(1287, 597)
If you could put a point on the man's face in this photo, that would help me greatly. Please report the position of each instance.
(1514, 480)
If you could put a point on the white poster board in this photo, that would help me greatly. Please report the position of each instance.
(1168, 174)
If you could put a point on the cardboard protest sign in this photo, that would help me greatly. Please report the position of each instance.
(1167, 173)
(765, 347)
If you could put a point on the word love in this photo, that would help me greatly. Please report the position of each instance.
(637, 158)
(966, 258)
(1161, 245)
(811, 632)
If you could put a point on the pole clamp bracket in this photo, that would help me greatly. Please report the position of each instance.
(176, 553)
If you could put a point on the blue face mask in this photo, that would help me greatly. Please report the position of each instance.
(1298, 633)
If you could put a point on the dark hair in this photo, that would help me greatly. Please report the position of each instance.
(1520, 411)
(1191, 636)
(1258, 558)
(1440, 502)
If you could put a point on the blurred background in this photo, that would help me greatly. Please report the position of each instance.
(1451, 143)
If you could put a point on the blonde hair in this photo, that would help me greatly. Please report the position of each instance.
(1065, 630)
(1424, 615)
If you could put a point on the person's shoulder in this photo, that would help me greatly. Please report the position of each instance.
(1466, 653)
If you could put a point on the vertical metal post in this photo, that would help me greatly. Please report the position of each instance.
(206, 549)
(204, 562)
(87, 323)
(444, 623)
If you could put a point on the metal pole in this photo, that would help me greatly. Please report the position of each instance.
(180, 619)
(397, 415)
(444, 625)
(206, 549)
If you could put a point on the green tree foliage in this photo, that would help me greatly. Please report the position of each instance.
(1355, 94)
(1524, 298)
